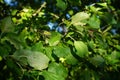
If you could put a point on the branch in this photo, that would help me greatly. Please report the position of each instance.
(42, 6)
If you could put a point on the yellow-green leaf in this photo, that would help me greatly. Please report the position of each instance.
(78, 19)
(81, 48)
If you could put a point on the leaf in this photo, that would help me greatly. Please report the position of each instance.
(91, 44)
(7, 25)
(70, 59)
(113, 58)
(94, 22)
(49, 52)
(51, 76)
(108, 18)
(61, 4)
(94, 9)
(61, 51)
(14, 40)
(37, 47)
(54, 39)
(97, 61)
(81, 48)
(78, 19)
(17, 40)
(5, 50)
(55, 72)
(103, 5)
(35, 59)
(1, 58)
(13, 67)
(58, 69)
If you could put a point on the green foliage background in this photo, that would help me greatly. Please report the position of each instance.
(87, 50)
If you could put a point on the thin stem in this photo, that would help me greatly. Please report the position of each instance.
(107, 29)
(42, 6)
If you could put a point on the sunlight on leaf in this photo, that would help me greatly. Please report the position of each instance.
(78, 19)
(54, 39)
(82, 49)
(35, 59)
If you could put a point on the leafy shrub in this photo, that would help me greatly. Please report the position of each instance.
(84, 46)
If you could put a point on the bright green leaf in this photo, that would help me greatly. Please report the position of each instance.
(0, 58)
(103, 4)
(81, 48)
(14, 12)
(94, 9)
(78, 19)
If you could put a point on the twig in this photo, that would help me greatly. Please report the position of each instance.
(56, 16)
(107, 29)
(43, 5)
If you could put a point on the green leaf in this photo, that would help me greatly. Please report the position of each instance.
(97, 61)
(1, 58)
(58, 69)
(61, 4)
(13, 68)
(94, 9)
(7, 25)
(49, 52)
(14, 40)
(61, 51)
(4, 50)
(35, 59)
(94, 22)
(55, 72)
(79, 18)
(86, 74)
(51, 76)
(108, 18)
(81, 48)
(91, 44)
(37, 47)
(54, 39)
(113, 58)
(70, 59)
(103, 4)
